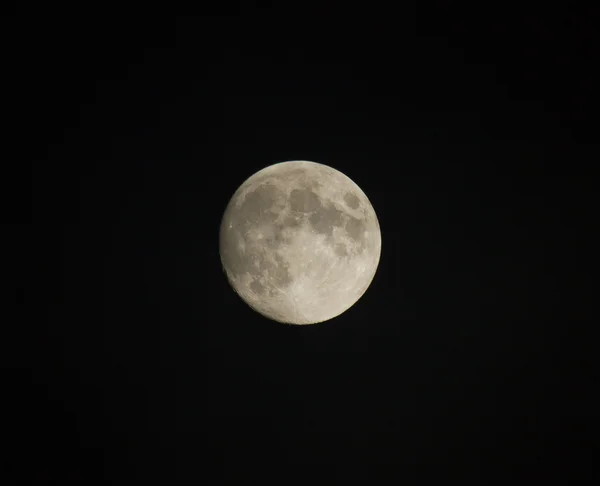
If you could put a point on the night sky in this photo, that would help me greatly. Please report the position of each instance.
(469, 356)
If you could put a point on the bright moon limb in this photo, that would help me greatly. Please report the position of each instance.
(300, 242)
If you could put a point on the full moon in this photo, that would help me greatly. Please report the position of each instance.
(300, 242)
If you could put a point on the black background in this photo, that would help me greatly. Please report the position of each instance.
(470, 355)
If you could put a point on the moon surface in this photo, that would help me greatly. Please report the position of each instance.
(300, 242)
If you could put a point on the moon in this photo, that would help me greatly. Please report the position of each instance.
(300, 242)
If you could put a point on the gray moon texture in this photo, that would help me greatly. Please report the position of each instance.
(300, 242)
